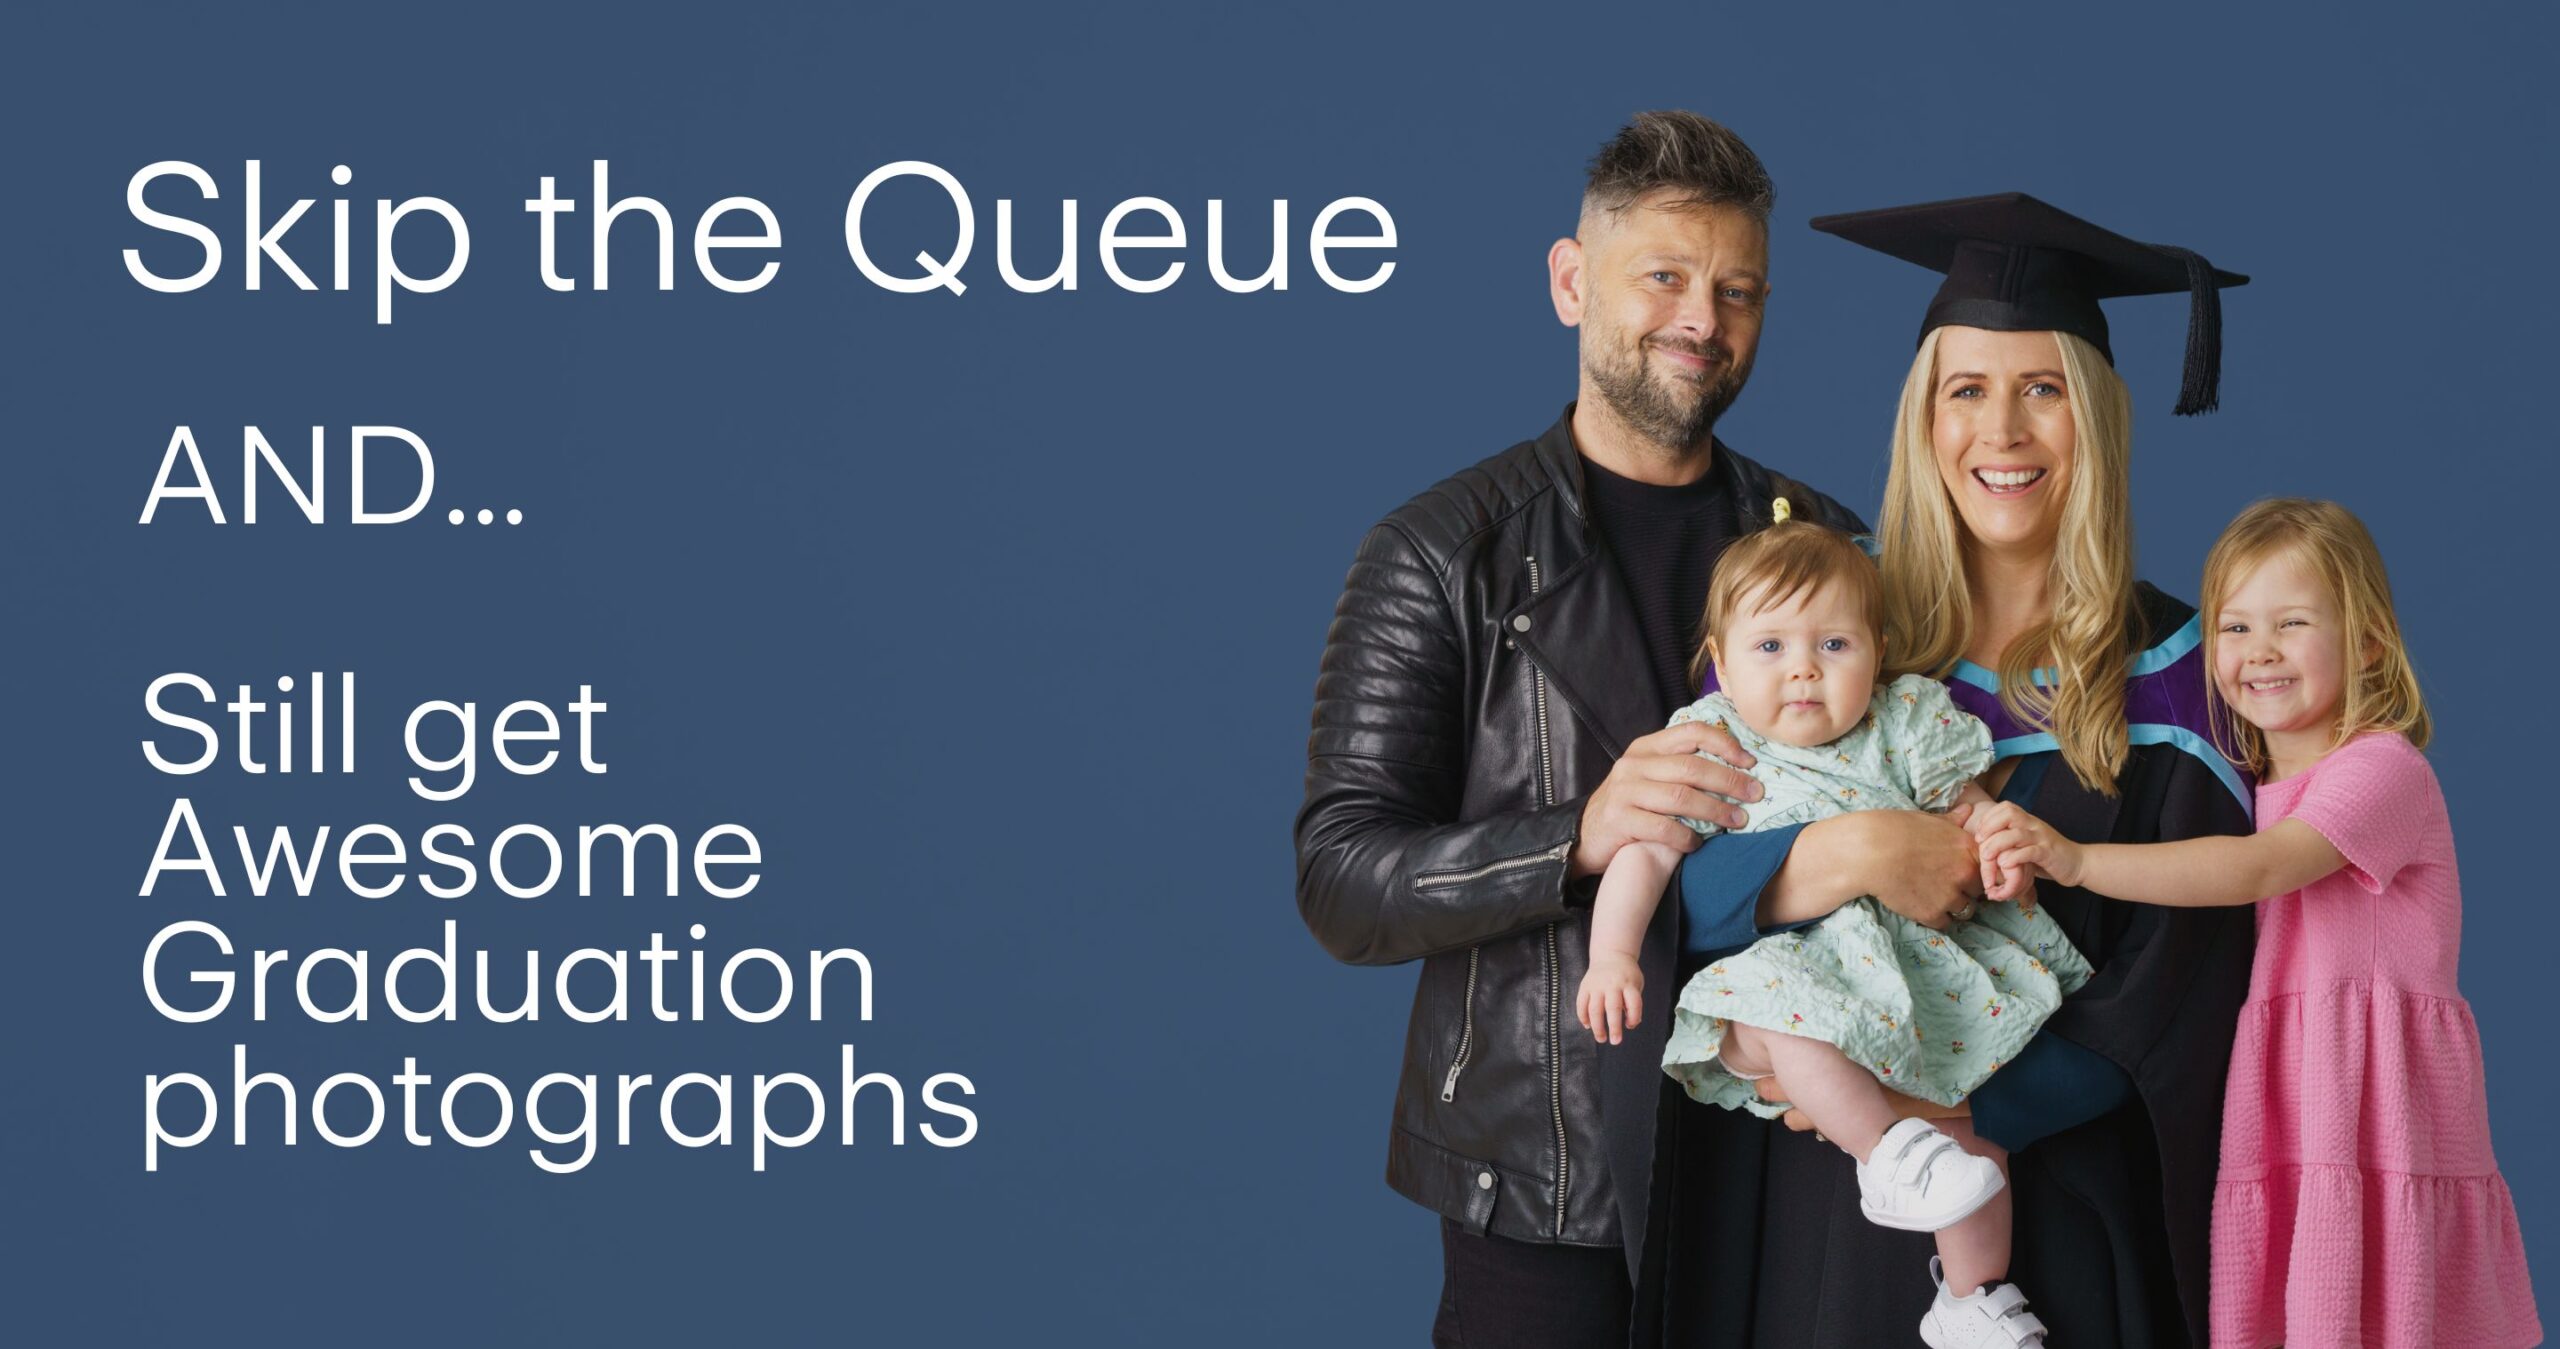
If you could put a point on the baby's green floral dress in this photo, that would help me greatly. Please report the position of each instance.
(1930, 1013)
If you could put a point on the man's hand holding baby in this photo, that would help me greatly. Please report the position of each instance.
(1659, 781)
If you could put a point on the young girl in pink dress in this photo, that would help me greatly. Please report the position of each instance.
(2358, 1202)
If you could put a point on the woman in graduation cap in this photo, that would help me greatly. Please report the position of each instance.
(2008, 561)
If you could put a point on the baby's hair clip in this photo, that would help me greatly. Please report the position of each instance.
(1779, 511)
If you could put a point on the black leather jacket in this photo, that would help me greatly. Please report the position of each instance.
(1482, 673)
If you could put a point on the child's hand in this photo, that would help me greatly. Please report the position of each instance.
(2012, 841)
(1970, 812)
(2008, 886)
(1970, 801)
(1612, 998)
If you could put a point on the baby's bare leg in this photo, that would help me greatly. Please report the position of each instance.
(1976, 1251)
(1842, 1099)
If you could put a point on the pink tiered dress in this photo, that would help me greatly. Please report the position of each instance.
(2359, 1203)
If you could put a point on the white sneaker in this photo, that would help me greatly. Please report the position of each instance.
(1995, 1317)
(1918, 1180)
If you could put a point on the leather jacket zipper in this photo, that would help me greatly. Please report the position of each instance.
(1466, 1028)
(1538, 690)
(1434, 880)
(1475, 954)
(1555, 963)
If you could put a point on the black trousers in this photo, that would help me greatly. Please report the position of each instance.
(1497, 1293)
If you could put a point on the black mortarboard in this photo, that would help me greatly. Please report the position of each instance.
(2014, 264)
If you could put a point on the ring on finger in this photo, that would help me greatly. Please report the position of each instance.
(1964, 914)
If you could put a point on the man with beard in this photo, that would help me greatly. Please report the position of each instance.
(1487, 733)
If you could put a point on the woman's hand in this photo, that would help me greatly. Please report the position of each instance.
(1918, 865)
(1658, 782)
(1904, 1107)
(2015, 843)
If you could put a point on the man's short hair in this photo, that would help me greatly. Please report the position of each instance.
(1698, 161)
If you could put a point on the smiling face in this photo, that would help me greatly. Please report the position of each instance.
(2279, 652)
(1800, 671)
(1668, 297)
(2003, 435)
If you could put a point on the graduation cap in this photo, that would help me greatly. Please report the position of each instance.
(2015, 264)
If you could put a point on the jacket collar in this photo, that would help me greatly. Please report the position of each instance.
(1562, 460)
(1580, 628)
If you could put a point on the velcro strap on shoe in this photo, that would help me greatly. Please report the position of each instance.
(2008, 1308)
(1919, 1155)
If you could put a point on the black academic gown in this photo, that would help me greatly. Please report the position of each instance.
(1764, 1243)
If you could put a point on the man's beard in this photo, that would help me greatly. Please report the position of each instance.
(1675, 412)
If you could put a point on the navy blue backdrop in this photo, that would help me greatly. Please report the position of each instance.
(997, 616)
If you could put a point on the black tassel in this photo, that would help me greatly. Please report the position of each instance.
(2200, 388)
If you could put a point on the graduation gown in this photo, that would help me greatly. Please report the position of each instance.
(1760, 1237)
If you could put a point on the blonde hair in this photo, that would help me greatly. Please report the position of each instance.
(1777, 564)
(2333, 545)
(2086, 645)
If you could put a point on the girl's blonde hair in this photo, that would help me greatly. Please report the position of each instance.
(2333, 545)
(1774, 565)
(2083, 650)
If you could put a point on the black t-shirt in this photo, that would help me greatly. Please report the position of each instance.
(1665, 541)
